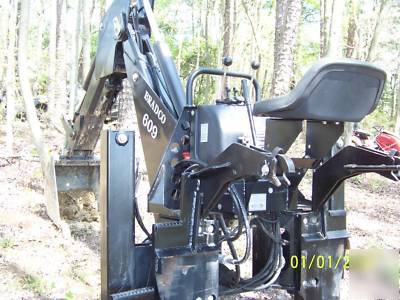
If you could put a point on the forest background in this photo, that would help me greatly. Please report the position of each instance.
(285, 37)
(46, 49)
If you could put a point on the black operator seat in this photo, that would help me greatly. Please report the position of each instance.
(332, 90)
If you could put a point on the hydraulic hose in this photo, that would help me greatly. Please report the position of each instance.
(229, 242)
(243, 214)
(272, 268)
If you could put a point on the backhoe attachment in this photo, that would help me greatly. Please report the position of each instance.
(211, 183)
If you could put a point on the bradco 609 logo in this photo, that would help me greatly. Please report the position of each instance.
(154, 107)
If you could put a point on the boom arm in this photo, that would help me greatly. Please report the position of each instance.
(124, 50)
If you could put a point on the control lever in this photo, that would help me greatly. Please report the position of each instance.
(246, 96)
(255, 65)
(227, 62)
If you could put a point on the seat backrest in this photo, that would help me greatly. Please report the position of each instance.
(333, 90)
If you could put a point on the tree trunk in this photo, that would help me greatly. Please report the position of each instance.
(74, 61)
(179, 57)
(226, 48)
(4, 20)
(57, 68)
(324, 25)
(394, 102)
(46, 160)
(88, 7)
(286, 27)
(208, 81)
(397, 123)
(375, 34)
(335, 48)
(351, 31)
(40, 31)
(254, 28)
(10, 114)
(349, 50)
(52, 60)
(234, 24)
(61, 72)
(394, 85)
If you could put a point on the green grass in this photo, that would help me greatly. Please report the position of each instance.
(34, 152)
(6, 243)
(69, 295)
(33, 283)
(78, 274)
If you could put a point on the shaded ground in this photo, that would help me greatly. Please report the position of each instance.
(36, 261)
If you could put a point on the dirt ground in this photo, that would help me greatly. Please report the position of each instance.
(37, 261)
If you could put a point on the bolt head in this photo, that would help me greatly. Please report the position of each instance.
(122, 139)
(210, 228)
(185, 125)
(135, 77)
(313, 282)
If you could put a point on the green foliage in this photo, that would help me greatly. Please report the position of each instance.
(34, 152)
(311, 9)
(315, 4)
(69, 295)
(2, 112)
(307, 54)
(382, 114)
(33, 31)
(203, 55)
(268, 5)
(6, 243)
(194, 51)
(377, 118)
(33, 283)
(93, 44)
(42, 81)
(46, 39)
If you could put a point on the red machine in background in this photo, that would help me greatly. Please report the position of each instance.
(383, 140)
